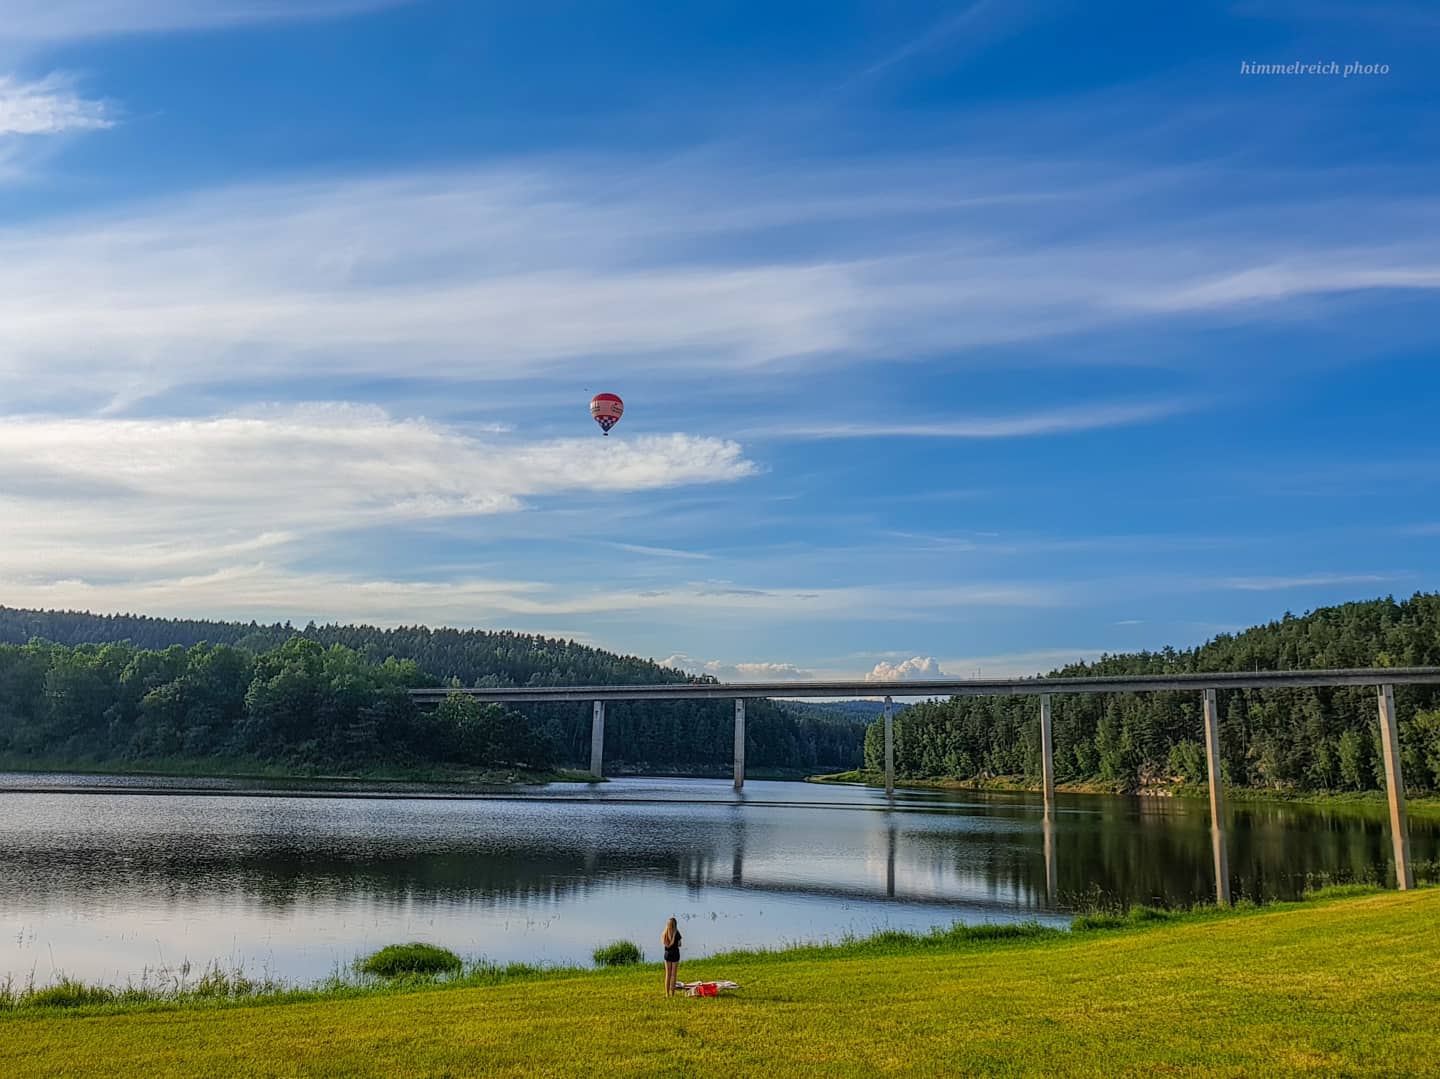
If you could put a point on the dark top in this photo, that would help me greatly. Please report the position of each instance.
(672, 953)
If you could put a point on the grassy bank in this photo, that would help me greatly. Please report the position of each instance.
(991, 783)
(1363, 802)
(246, 768)
(1283, 990)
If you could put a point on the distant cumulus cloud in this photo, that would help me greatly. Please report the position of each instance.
(913, 669)
(1023, 664)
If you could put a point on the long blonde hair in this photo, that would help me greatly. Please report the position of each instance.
(672, 931)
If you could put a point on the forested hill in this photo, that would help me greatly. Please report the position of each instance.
(678, 736)
(471, 656)
(1308, 739)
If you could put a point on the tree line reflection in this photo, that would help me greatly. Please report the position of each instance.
(1114, 849)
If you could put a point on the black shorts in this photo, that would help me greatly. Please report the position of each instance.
(672, 955)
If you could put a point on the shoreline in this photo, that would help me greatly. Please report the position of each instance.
(227, 768)
(1425, 806)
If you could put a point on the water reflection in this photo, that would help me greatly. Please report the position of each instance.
(107, 880)
(1051, 873)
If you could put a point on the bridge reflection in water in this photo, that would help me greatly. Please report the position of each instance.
(307, 878)
(1208, 684)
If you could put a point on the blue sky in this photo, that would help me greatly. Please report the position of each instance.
(953, 337)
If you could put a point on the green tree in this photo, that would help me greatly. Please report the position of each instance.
(1187, 760)
(1353, 753)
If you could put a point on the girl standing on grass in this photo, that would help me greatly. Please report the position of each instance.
(671, 940)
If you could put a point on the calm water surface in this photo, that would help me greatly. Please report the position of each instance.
(108, 878)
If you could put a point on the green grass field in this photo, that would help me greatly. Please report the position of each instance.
(1348, 986)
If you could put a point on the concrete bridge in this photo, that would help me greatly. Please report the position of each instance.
(1384, 679)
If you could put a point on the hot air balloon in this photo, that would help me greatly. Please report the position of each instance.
(607, 410)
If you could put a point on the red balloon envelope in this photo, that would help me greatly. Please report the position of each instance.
(607, 410)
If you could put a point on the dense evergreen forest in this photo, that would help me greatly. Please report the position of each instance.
(76, 687)
(1311, 739)
(300, 704)
(863, 711)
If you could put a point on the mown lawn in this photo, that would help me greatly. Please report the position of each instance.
(1346, 987)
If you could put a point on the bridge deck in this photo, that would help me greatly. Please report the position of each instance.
(952, 687)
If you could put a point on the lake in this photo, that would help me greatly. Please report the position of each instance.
(115, 878)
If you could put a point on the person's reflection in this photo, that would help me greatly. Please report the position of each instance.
(737, 857)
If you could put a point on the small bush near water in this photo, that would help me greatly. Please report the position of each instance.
(70, 994)
(620, 954)
(400, 960)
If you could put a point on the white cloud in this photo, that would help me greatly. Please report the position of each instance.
(99, 497)
(738, 672)
(47, 106)
(913, 669)
(59, 20)
(217, 517)
(32, 113)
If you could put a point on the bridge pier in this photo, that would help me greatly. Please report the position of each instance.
(889, 748)
(597, 740)
(739, 743)
(1047, 754)
(1395, 788)
(1217, 800)
(1047, 777)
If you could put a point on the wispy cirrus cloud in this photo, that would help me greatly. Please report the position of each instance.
(1020, 664)
(253, 587)
(1091, 417)
(958, 34)
(1309, 580)
(542, 269)
(1357, 271)
(661, 552)
(756, 671)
